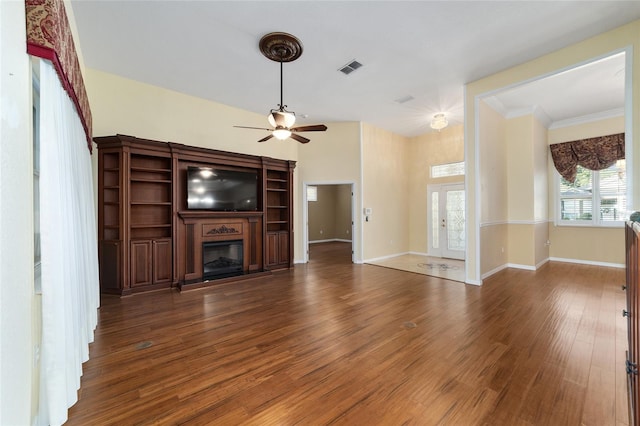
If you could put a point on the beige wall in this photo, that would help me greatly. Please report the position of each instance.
(494, 189)
(124, 106)
(520, 144)
(527, 191)
(520, 245)
(598, 245)
(332, 157)
(540, 172)
(495, 240)
(493, 167)
(513, 164)
(444, 147)
(527, 169)
(541, 243)
(322, 215)
(592, 129)
(385, 190)
(603, 44)
(330, 216)
(344, 217)
(527, 245)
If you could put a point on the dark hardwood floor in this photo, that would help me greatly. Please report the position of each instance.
(331, 342)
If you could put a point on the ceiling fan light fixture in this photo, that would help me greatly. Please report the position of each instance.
(283, 47)
(281, 118)
(281, 134)
(439, 122)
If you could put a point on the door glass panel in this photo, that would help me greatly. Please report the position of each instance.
(455, 220)
(435, 221)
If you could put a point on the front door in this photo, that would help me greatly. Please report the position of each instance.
(446, 220)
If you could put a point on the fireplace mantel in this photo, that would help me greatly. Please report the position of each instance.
(204, 226)
(208, 214)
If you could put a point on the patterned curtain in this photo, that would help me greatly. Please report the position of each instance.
(593, 154)
(49, 37)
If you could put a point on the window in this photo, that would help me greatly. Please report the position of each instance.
(596, 198)
(446, 170)
(312, 193)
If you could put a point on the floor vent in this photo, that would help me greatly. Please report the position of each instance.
(144, 345)
(410, 324)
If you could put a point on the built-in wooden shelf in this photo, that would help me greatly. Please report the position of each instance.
(149, 240)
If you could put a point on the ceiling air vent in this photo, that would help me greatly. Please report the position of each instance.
(350, 67)
(405, 99)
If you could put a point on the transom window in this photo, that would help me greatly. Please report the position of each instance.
(446, 170)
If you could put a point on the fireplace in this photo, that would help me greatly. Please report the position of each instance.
(222, 259)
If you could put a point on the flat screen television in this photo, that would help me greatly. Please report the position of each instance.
(210, 188)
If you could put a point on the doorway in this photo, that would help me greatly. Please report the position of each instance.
(446, 220)
(329, 219)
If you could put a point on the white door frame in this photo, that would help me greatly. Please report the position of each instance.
(440, 189)
(305, 216)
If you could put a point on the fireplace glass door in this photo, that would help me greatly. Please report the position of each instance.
(222, 259)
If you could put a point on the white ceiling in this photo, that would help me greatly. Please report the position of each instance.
(426, 50)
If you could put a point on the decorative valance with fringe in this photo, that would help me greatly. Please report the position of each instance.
(594, 154)
(49, 37)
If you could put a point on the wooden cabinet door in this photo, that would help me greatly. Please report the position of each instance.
(277, 249)
(272, 249)
(283, 248)
(141, 263)
(162, 260)
(110, 270)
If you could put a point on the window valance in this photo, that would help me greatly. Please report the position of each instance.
(49, 37)
(594, 154)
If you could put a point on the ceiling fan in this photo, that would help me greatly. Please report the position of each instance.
(283, 47)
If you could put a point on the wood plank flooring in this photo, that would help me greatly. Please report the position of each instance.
(331, 342)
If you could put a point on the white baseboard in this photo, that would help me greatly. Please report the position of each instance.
(542, 263)
(473, 282)
(518, 266)
(588, 262)
(554, 259)
(331, 240)
(493, 271)
(377, 259)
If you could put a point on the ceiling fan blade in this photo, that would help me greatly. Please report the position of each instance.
(256, 128)
(311, 128)
(266, 138)
(299, 138)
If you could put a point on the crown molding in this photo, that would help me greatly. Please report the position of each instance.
(616, 112)
(539, 113)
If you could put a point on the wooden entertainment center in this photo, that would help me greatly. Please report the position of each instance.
(148, 237)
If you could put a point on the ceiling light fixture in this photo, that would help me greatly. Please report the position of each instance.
(439, 122)
(281, 48)
(281, 133)
(282, 118)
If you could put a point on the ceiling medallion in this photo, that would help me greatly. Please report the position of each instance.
(280, 47)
